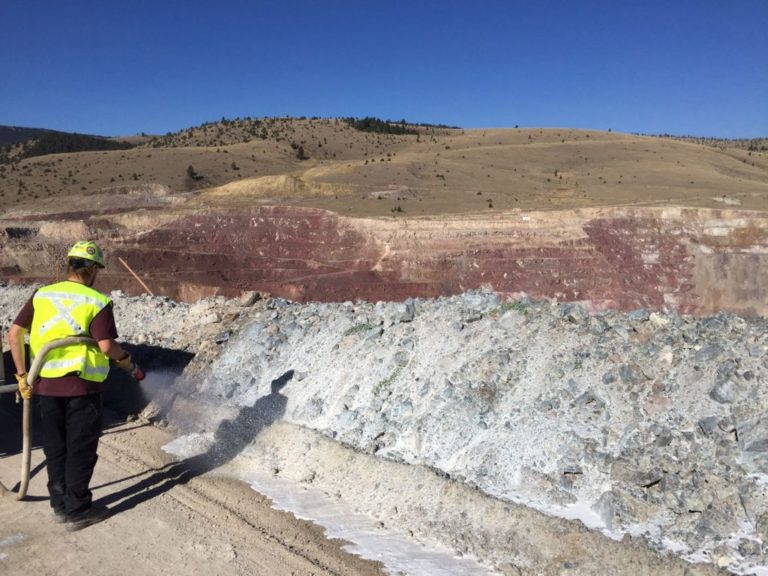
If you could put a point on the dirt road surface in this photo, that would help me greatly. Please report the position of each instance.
(164, 521)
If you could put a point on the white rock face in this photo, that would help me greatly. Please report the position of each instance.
(651, 424)
(629, 422)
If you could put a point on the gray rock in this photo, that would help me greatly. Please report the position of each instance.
(670, 482)
(708, 425)
(664, 437)
(573, 313)
(221, 337)
(249, 298)
(407, 344)
(597, 326)
(399, 312)
(715, 520)
(727, 425)
(708, 353)
(621, 332)
(315, 407)
(761, 526)
(374, 333)
(639, 315)
(756, 350)
(401, 358)
(723, 392)
(591, 400)
(480, 302)
(753, 434)
(605, 507)
(726, 370)
(547, 404)
(469, 316)
(648, 478)
(634, 407)
(750, 547)
(631, 374)
(713, 324)
(572, 469)
(635, 473)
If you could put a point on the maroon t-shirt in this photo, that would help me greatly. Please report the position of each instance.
(102, 328)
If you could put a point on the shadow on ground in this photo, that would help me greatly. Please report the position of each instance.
(230, 438)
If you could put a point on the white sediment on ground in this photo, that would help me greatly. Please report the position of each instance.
(343, 512)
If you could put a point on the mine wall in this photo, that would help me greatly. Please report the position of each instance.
(690, 260)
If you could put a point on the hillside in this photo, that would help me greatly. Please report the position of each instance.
(326, 163)
(49, 142)
(17, 134)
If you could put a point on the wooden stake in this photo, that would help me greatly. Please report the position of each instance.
(123, 262)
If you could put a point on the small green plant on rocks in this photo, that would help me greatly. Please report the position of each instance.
(384, 385)
(360, 327)
(515, 305)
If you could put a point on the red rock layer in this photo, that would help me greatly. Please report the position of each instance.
(692, 260)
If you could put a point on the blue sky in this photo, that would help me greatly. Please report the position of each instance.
(109, 67)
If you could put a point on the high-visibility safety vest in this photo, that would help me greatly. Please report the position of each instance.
(62, 310)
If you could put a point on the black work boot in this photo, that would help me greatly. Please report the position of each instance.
(94, 515)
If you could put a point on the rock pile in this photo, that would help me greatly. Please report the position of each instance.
(648, 423)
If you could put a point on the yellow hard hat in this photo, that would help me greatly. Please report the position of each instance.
(87, 250)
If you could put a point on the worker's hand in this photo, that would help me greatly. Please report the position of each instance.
(25, 390)
(126, 363)
(137, 373)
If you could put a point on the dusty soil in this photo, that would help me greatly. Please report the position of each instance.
(164, 521)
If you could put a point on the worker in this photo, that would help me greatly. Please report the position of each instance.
(71, 379)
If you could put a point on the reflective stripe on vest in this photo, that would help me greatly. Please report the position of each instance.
(59, 300)
(76, 365)
(62, 310)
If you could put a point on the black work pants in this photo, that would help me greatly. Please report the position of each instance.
(71, 428)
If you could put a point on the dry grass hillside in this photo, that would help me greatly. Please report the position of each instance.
(327, 163)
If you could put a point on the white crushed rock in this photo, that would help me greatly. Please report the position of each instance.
(651, 424)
